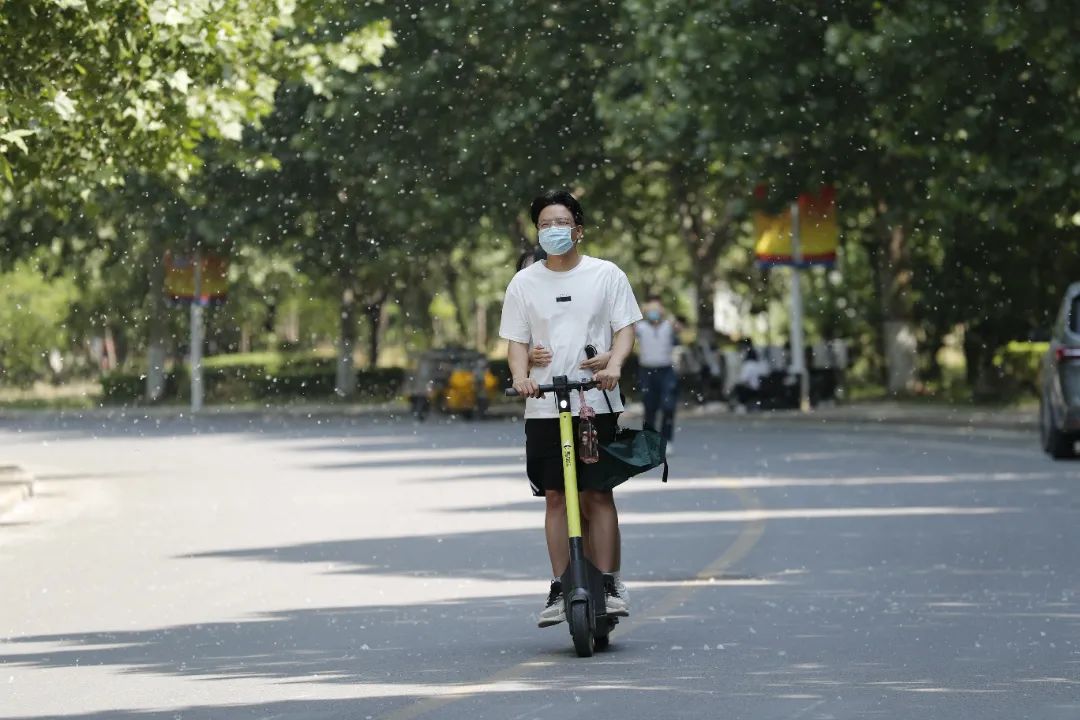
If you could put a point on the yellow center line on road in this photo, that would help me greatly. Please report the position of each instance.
(746, 540)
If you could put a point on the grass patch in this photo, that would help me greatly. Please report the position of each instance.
(265, 359)
(80, 395)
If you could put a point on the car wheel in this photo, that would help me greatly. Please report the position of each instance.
(1044, 430)
(1060, 445)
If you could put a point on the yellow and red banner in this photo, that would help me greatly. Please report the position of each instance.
(819, 233)
(180, 278)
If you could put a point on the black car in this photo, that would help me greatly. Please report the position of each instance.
(1059, 406)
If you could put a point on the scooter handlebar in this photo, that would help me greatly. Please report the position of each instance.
(575, 385)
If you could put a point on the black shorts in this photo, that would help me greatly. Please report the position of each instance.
(543, 454)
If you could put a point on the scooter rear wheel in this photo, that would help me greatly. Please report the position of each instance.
(580, 630)
(602, 635)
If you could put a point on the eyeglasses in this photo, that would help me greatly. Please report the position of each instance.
(557, 222)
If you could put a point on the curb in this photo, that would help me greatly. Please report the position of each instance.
(875, 414)
(180, 412)
(16, 485)
(972, 421)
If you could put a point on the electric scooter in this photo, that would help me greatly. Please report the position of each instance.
(583, 583)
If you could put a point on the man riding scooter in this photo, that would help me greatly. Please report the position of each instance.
(563, 304)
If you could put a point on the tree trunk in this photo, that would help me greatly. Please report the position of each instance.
(704, 291)
(345, 382)
(481, 323)
(290, 328)
(898, 328)
(418, 326)
(459, 304)
(934, 341)
(373, 310)
(704, 241)
(704, 245)
(972, 355)
(983, 378)
(900, 356)
(110, 348)
(155, 371)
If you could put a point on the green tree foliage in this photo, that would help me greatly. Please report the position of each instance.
(95, 89)
(971, 104)
(110, 109)
(33, 318)
(391, 172)
(940, 123)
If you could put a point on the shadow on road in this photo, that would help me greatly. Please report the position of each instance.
(492, 554)
(855, 597)
(384, 656)
(134, 424)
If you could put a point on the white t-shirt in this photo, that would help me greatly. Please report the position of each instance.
(564, 312)
(752, 371)
(655, 343)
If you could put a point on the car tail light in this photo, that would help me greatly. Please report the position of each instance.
(1067, 354)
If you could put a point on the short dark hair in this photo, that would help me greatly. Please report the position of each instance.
(654, 296)
(557, 197)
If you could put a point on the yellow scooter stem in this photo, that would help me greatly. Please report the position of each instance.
(569, 465)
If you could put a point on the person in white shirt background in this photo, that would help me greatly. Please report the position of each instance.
(552, 309)
(751, 372)
(657, 336)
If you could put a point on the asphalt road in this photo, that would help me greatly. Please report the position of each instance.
(247, 567)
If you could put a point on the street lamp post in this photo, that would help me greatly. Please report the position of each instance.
(195, 358)
(798, 355)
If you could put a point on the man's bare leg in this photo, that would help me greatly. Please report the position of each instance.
(556, 531)
(618, 548)
(606, 543)
(599, 507)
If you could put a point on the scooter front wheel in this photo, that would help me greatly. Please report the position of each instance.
(580, 629)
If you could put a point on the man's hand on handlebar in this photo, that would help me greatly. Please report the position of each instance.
(527, 387)
(608, 378)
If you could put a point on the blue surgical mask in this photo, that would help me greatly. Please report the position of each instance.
(654, 316)
(557, 239)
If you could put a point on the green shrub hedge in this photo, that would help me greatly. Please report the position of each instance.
(273, 377)
(1018, 366)
(229, 383)
(118, 387)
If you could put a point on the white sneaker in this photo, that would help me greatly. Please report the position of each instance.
(615, 600)
(624, 593)
(554, 611)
